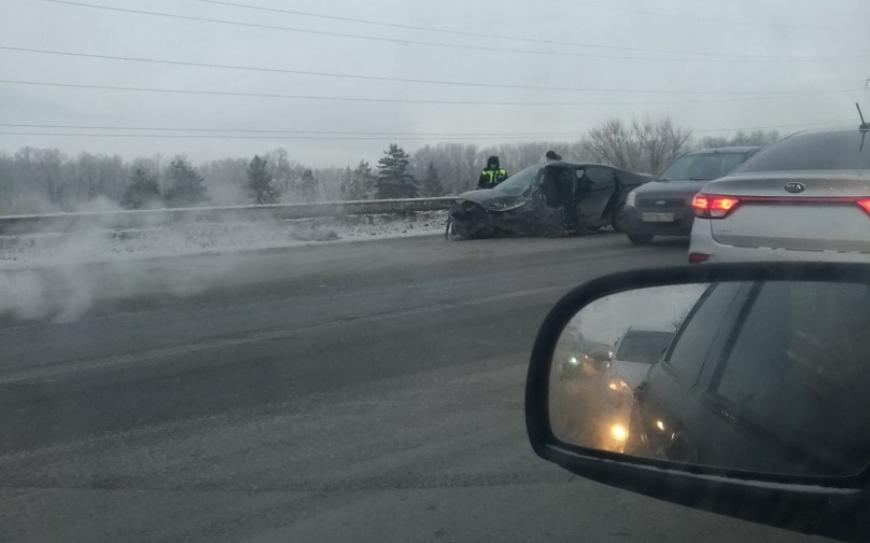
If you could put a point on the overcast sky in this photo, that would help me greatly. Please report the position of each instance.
(730, 64)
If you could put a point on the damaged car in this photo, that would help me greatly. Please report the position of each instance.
(556, 198)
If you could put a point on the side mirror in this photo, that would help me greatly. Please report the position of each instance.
(738, 388)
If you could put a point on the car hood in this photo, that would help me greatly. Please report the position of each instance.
(669, 188)
(485, 196)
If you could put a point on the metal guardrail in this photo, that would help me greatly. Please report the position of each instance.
(143, 218)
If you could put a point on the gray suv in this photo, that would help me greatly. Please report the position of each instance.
(664, 206)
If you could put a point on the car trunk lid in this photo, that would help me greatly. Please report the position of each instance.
(805, 211)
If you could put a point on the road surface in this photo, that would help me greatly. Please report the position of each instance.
(348, 392)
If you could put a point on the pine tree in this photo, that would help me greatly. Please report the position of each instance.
(432, 182)
(142, 191)
(260, 184)
(307, 188)
(394, 181)
(186, 187)
(360, 183)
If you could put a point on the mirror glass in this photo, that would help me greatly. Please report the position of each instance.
(768, 377)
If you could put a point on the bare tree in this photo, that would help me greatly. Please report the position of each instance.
(642, 146)
(756, 137)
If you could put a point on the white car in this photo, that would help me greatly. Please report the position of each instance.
(635, 352)
(804, 198)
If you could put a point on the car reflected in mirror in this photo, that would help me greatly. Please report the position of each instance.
(742, 375)
(592, 407)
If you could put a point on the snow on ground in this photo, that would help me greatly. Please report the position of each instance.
(98, 245)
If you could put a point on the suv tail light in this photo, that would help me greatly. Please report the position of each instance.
(865, 204)
(712, 206)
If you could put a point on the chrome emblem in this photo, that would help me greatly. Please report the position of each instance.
(660, 202)
(794, 187)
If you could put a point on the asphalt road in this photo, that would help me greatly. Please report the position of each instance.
(348, 392)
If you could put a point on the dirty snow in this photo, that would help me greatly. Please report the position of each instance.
(98, 245)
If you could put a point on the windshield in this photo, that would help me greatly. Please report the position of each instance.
(702, 166)
(520, 182)
(643, 347)
(845, 150)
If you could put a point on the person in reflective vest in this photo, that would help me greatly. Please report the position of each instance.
(492, 175)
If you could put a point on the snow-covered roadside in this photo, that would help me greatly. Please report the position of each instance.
(179, 239)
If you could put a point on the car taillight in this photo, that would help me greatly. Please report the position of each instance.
(698, 258)
(865, 204)
(711, 206)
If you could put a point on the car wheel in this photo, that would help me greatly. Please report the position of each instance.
(618, 221)
(461, 231)
(640, 239)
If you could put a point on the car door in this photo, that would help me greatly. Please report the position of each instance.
(556, 187)
(595, 188)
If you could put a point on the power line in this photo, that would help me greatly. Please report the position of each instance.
(279, 130)
(326, 135)
(353, 132)
(463, 33)
(684, 16)
(401, 41)
(360, 99)
(337, 75)
(256, 138)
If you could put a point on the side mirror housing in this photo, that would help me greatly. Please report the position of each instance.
(790, 467)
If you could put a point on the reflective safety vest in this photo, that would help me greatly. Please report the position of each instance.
(491, 177)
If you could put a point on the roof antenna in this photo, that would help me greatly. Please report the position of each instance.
(864, 124)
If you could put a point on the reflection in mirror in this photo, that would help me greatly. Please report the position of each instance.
(764, 377)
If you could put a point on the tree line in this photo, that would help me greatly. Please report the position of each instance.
(42, 180)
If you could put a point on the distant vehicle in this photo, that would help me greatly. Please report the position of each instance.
(635, 352)
(539, 201)
(664, 206)
(592, 359)
(804, 198)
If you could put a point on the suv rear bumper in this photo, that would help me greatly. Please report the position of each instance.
(681, 226)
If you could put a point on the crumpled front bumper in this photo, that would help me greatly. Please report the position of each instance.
(468, 218)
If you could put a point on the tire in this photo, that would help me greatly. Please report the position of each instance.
(618, 220)
(640, 239)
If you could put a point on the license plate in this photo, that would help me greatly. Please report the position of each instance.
(658, 217)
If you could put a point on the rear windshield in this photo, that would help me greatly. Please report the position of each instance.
(702, 166)
(645, 347)
(846, 150)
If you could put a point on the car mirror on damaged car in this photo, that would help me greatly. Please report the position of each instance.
(735, 388)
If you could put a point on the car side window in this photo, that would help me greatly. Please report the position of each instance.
(796, 349)
(599, 177)
(698, 333)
